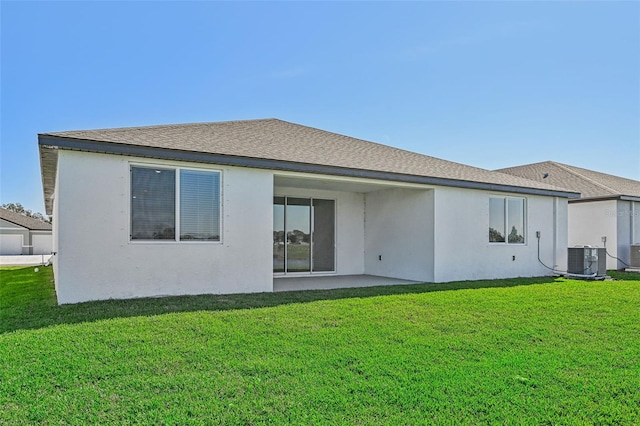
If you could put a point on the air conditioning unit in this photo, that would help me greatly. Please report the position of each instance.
(635, 256)
(587, 261)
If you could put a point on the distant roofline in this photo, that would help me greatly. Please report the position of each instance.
(36, 224)
(48, 141)
(605, 198)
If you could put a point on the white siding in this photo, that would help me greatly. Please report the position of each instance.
(462, 248)
(96, 260)
(12, 239)
(590, 221)
(399, 234)
(42, 242)
(11, 244)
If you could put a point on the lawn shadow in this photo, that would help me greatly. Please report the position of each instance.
(33, 305)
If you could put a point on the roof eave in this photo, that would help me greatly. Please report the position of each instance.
(606, 198)
(57, 142)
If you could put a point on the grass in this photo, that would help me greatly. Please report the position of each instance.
(524, 351)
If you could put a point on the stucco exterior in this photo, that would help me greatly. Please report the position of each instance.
(462, 248)
(96, 259)
(616, 220)
(406, 231)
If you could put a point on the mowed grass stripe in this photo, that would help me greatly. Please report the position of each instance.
(563, 352)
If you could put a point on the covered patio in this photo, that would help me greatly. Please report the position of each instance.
(329, 282)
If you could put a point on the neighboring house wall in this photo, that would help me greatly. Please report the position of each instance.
(399, 234)
(96, 259)
(590, 221)
(462, 248)
(628, 220)
(19, 240)
(14, 239)
(42, 242)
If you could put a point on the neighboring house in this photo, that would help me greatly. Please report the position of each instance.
(23, 235)
(606, 214)
(233, 207)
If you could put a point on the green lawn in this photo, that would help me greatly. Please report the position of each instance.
(525, 351)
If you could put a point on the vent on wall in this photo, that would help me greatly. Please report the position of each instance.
(635, 255)
(587, 261)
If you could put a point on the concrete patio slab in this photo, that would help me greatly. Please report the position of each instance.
(328, 282)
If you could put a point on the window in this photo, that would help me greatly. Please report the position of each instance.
(170, 204)
(506, 220)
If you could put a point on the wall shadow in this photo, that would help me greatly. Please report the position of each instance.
(30, 303)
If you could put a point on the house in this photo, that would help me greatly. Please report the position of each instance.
(23, 235)
(244, 206)
(607, 214)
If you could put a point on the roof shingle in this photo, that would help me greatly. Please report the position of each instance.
(24, 221)
(278, 140)
(589, 183)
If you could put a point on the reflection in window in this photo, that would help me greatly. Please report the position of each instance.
(303, 235)
(506, 220)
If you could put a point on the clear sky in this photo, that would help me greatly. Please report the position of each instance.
(489, 84)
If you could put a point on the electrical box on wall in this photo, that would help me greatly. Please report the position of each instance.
(587, 261)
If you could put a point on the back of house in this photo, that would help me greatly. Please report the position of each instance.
(243, 206)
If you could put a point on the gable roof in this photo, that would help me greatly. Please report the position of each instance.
(278, 145)
(24, 221)
(589, 183)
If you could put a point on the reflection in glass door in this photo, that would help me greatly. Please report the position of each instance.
(298, 227)
(303, 235)
(278, 234)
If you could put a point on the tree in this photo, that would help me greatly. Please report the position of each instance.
(514, 237)
(495, 236)
(19, 208)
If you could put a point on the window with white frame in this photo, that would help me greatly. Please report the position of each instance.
(175, 204)
(507, 220)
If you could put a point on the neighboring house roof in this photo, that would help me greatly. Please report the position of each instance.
(278, 145)
(589, 183)
(24, 221)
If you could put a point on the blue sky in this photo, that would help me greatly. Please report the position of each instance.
(489, 84)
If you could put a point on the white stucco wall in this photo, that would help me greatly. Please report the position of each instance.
(41, 242)
(462, 248)
(590, 221)
(349, 226)
(399, 234)
(13, 239)
(96, 259)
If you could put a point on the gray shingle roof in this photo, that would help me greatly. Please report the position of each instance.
(24, 221)
(281, 141)
(589, 183)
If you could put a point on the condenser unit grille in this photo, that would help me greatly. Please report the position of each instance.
(635, 255)
(587, 261)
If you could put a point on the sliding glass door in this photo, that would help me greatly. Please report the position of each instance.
(303, 235)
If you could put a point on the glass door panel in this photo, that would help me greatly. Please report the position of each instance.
(323, 235)
(298, 230)
(278, 234)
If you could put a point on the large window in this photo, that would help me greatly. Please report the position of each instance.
(506, 220)
(175, 204)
